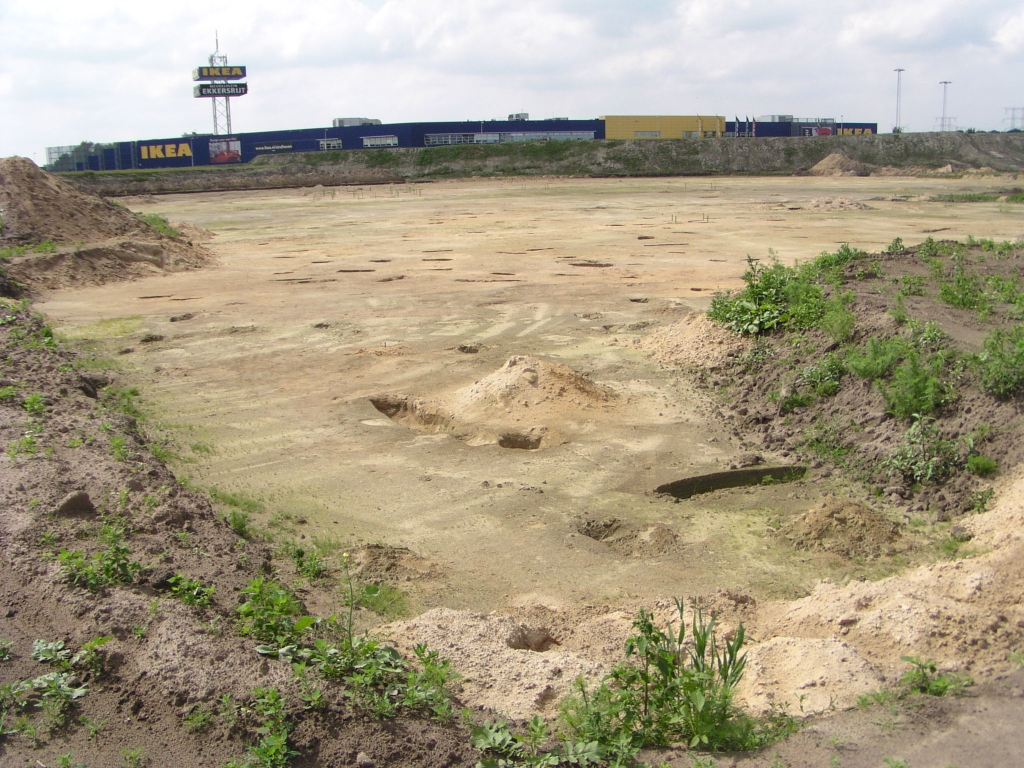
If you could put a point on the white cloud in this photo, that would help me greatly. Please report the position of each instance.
(112, 69)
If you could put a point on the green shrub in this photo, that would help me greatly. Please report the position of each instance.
(667, 692)
(271, 613)
(911, 285)
(239, 522)
(1001, 364)
(824, 377)
(762, 306)
(896, 247)
(113, 565)
(915, 388)
(982, 466)
(837, 320)
(922, 456)
(877, 358)
(965, 291)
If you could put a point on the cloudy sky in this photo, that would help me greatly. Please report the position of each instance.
(112, 70)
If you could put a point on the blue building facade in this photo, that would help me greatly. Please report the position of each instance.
(208, 149)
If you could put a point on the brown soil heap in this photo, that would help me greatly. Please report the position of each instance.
(89, 240)
(846, 528)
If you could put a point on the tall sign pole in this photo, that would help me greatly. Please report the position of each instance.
(899, 98)
(216, 84)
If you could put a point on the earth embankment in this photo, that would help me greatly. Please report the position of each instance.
(903, 154)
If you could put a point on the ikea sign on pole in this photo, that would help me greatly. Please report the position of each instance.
(219, 73)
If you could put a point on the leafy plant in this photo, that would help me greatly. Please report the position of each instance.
(309, 564)
(896, 247)
(113, 565)
(5, 650)
(119, 448)
(922, 455)
(503, 749)
(34, 404)
(271, 613)
(89, 656)
(51, 653)
(924, 677)
(1001, 364)
(191, 591)
(197, 720)
(666, 692)
(824, 377)
(966, 291)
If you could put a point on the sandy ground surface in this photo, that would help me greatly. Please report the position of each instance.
(323, 299)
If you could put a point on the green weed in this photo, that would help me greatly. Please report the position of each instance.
(34, 405)
(501, 748)
(309, 564)
(198, 720)
(113, 565)
(915, 387)
(877, 358)
(667, 692)
(922, 456)
(982, 466)
(239, 522)
(237, 500)
(119, 448)
(924, 677)
(1001, 364)
(8, 393)
(191, 591)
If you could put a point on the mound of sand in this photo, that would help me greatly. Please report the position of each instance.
(695, 341)
(846, 528)
(525, 382)
(495, 657)
(837, 204)
(528, 403)
(38, 206)
(96, 241)
(838, 164)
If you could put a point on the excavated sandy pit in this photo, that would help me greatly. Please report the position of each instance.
(506, 439)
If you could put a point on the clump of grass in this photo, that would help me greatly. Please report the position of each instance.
(982, 466)
(160, 224)
(877, 358)
(239, 522)
(238, 500)
(966, 197)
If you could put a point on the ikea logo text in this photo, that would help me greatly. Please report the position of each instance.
(160, 151)
(222, 72)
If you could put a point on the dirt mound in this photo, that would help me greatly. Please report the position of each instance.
(379, 563)
(695, 341)
(636, 539)
(38, 206)
(838, 164)
(529, 382)
(846, 528)
(837, 204)
(88, 241)
(526, 404)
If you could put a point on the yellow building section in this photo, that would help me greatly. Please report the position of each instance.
(663, 126)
